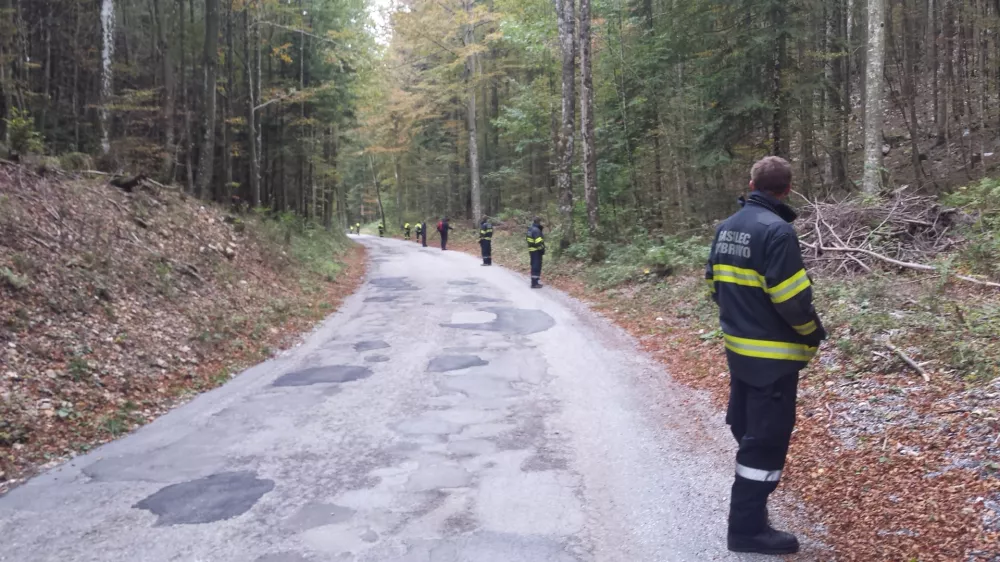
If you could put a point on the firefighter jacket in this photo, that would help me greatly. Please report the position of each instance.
(536, 242)
(485, 232)
(419, 228)
(756, 276)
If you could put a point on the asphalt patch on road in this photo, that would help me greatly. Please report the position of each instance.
(393, 284)
(462, 282)
(320, 375)
(215, 498)
(511, 321)
(314, 515)
(477, 299)
(376, 359)
(370, 345)
(380, 299)
(444, 363)
(282, 557)
(485, 546)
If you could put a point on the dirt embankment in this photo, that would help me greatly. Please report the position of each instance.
(115, 306)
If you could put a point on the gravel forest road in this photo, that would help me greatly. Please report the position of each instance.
(446, 413)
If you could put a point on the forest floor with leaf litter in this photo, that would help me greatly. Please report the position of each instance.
(117, 307)
(885, 465)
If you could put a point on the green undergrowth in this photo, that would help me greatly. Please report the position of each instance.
(310, 245)
(951, 326)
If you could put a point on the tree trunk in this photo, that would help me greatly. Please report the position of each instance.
(470, 79)
(167, 74)
(107, 53)
(909, 86)
(7, 83)
(873, 97)
(378, 189)
(587, 121)
(206, 162)
(227, 152)
(933, 32)
(253, 148)
(567, 41)
(779, 134)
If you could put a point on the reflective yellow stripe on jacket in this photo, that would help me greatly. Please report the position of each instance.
(807, 328)
(534, 244)
(750, 278)
(738, 275)
(789, 287)
(765, 349)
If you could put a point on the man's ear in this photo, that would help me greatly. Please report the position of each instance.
(752, 186)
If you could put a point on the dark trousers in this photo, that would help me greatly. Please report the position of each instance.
(761, 419)
(487, 247)
(423, 239)
(536, 266)
(407, 234)
(444, 241)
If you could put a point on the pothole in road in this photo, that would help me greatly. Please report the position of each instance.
(435, 477)
(477, 298)
(206, 500)
(314, 515)
(376, 358)
(393, 284)
(479, 387)
(282, 557)
(472, 317)
(511, 321)
(445, 363)
(370, 345)
(380, 299)
(485, 546)
(319, 375)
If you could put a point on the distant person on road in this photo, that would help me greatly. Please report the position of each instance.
(420, 230)
(357, 228)
(486, 240)
(406, 230)
(422, 233)
(771, 331)
(536, 249)
(381, 229)
(443, 227)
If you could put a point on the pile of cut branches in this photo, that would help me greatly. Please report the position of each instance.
(900, 231)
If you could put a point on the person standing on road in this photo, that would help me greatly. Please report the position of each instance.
(381, 229)
(357, 228)
(771, 331)
(443, 227)
(486, 240)
(536, 249)
(422, 233)
(419, 230)
(406, 230)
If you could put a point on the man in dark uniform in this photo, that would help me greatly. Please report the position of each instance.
(419, 230)
(486, 240)
(443, 228)
(422, 232)
(536, 249)
(771, 331)
(406, 230)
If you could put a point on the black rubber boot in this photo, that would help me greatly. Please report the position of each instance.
(768, 541)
